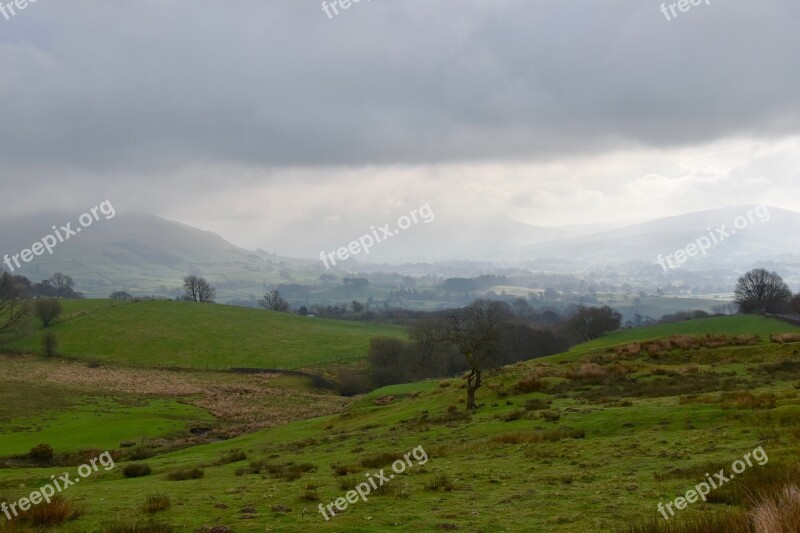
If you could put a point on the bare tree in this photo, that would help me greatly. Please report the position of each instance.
(477, 331)
(588, 323)
(197, 289)
(428, 333)
(48, 309)
(14, 303)
(274, 302)
(62, 283)
(762, 290)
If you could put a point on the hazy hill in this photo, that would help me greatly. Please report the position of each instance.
(768, 240)
(144, 254)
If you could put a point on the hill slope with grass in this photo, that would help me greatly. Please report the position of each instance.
(724, 325)
(190, 335)
(585, 441)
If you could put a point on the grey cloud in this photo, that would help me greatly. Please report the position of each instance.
(146, 86)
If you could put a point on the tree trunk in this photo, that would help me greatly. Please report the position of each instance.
(473, 384)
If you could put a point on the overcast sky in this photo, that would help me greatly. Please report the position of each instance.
(263, 120)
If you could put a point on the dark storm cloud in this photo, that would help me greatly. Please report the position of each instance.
(142, 87)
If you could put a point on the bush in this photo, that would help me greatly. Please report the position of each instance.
(155, 503)
(441, 482)
(48, 309)
(43, 453)
(351, 382)
(49, 344)
(310, 495)
(46, 514)
(139, 453)
(234, 456)
(380, 460)
(530, 383)
(136, 470)
(184, 474)
(341, 469)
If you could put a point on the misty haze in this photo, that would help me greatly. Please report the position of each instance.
(357, 266)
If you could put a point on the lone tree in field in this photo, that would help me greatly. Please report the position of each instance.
(273, 301)
(14, 304)
(477, 333)
(762, 290)
(48, 309)
(197, 289)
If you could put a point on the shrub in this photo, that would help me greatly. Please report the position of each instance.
(48, 309)
(352, 383)
(286, 472)
(139, 453)
(350, 482)
(234, 456)
(310, 495)
(537, 404)
(155, 503)
(42, 453)
(516, 414)
(342, 469)
(136, 470)
(550, 416)
(49, 344)
(748, 400)
(52, 513)
(184, 474)
(532, 383)
(381, 459)
(441, 482)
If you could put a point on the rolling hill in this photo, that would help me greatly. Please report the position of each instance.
(189, 335)
(621, 431)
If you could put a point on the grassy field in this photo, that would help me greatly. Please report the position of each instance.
(166, 333)
(65, 417)
(587, 441)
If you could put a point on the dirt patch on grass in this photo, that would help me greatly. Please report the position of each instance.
(241, 402)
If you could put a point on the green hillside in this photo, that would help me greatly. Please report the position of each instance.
(725, 325)
(554, 440)
(202, 336)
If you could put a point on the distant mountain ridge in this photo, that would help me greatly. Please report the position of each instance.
(141, 254)
(765, 238)
(147, 254)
